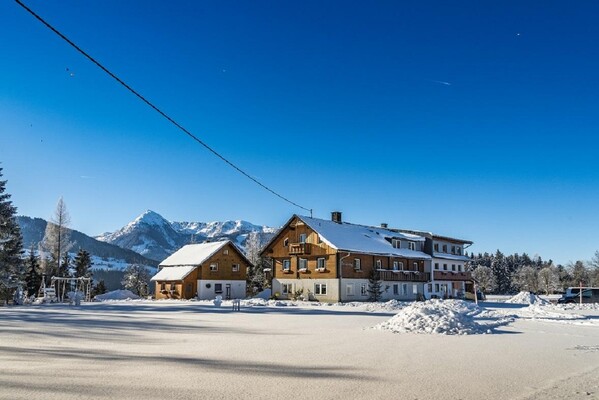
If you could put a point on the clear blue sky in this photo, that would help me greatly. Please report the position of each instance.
(475, 119)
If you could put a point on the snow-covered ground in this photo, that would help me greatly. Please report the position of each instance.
(140, 349)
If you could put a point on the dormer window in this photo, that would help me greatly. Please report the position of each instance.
(412, 245)
(436, 247)
(453, 250)
(444, 248)
(396, 243)
(459, 251)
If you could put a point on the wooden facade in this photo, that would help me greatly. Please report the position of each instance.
(227, 264)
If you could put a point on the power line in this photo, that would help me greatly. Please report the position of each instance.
(159, 111)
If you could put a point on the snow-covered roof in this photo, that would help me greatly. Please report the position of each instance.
(173, 273)
(450, 256)
(193, 254)
(363, 239)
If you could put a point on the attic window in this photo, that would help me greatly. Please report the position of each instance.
(214, 267)
(286, 242)
(226, 251)
(412, 245)
(396, 243)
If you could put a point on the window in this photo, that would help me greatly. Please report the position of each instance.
(453, 267)
(163, 286)
(396, 243)
(318, 239)
(235, 268)
(303, 264)
(357, 265)
(459, 268)
(226, 251)
(395, 266)
(436, 265)
(414, 289)
(401, 266)
(430, 287)
(173, 287)
(349, 289)
(218, 288)
(444, 267)
(364, 289)
(320, 288)
(287, 288)
(286, 242)
(436, 287)
(404, 289)
(396, 289)
(286, 265)
(214, 267)
(412, 245)
(379, 264)
(415, 265)
(444, 248)
(302, 238)
(320, 263)
(436, 246)
(459, 251)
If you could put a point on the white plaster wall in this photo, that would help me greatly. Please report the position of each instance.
(238, 289)
(308, 286)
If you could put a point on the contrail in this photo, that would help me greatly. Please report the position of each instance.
(441, 82)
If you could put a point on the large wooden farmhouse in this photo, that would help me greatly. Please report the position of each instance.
(204, 271)
(331, 260)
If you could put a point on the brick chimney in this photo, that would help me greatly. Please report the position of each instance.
(336, 216)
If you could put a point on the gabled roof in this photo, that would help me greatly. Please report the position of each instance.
(432, 235)
(173, 273)
(195, 254)
(360, 238)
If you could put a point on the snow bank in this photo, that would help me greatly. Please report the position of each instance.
(526, 298)
(265, 294)
(445, 317)
(117, 295)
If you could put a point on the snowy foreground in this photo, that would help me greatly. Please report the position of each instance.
(140, 349)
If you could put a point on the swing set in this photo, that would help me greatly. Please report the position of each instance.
(60, 288)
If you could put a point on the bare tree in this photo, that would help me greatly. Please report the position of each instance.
(548, 278)
(526, 279)
(485, 278)
(57, 237)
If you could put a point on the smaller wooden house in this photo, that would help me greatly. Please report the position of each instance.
(203, 270)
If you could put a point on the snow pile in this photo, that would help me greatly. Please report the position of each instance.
(391, 305)
(117, 295)
(526, 298)
(574, 306)
(445, 317)
(265, 294)
(541, 312)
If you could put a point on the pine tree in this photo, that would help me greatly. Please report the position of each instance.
(99, 288)
(83, 264)
(11, 245)
(256, 280)
(33, 278)
(64, 268)
(375, 289)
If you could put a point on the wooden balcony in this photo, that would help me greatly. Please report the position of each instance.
(299, 248)
(404, 276)
(452, 276)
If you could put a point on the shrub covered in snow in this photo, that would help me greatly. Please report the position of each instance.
(445, 317)
(526, 298)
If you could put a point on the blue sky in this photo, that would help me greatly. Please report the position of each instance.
(475, 119)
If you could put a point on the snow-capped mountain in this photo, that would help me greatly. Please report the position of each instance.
(152, 236)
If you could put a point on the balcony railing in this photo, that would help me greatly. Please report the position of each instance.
(299, 248)
(452, 276)
(405, 276)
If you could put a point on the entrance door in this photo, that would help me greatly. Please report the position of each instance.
(188, 289)
(228, 291)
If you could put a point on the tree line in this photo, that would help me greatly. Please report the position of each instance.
(500, 274)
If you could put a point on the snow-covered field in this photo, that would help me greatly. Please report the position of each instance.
(140, 349)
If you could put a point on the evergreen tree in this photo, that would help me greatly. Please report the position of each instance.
(11, 245)
(33, 278)
(375, 289)
(256, 280)
(83, 264)
(136, 279)
(99, 288)
(64, 268)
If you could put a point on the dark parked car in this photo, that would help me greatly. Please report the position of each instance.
(572, 295)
